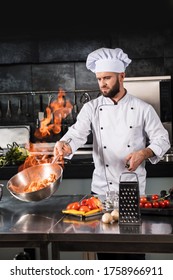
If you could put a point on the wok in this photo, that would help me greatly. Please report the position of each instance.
(17, 184)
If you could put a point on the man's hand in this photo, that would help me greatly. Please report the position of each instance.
(62, 149)
(134, 159)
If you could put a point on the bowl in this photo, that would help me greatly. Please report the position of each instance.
(18, 183)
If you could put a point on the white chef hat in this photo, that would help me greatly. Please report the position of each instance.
(107, 60)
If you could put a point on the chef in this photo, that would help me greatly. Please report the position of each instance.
(126, 130)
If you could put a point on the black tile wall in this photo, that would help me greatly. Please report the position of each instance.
(46, 61)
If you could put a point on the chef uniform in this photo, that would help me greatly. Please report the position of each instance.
(118, 128)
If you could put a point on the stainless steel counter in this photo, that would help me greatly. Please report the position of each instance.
(38, 224)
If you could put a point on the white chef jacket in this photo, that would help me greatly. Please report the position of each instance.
(118, 129)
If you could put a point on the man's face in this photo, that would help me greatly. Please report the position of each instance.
(108, 83)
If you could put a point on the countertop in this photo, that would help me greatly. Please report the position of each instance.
(38, 224)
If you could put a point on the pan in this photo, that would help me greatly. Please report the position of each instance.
(17, 184)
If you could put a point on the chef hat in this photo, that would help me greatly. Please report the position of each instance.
(107, 60)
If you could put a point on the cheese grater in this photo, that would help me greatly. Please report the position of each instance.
(129, 209)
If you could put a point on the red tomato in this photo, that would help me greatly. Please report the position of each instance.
(143, 199)
(166, 202)
(155, 204)
(148, 204)
(84, 201)
(84, 208)
(96, 200)
(162, 204)
(74, 205)
(154, 196)
(92, 205)
(141, 205)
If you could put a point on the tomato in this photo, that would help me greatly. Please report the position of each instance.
(162, 204)
(148, 204)
(92, 205)
(84, 201)
(166, 202)
(96, 200)
(84, 208)
(155, 204)
(74, 205)
(154, 196)
(143, 199)
(141, 205)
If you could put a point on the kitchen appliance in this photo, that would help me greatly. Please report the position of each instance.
(19, 134)
(155, 90)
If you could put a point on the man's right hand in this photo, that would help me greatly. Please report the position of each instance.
(62, 149)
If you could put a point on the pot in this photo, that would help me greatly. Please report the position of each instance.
(17, 184)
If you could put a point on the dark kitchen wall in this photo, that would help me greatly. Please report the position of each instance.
(43, 61)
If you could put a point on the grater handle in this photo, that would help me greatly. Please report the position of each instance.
(132, 173)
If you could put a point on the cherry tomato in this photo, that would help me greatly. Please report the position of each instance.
(84, 208)
(162, 204)
(141, 205)
(154, 196)
(143, 199)
(148, 204)
(166, 202)
(155, 204)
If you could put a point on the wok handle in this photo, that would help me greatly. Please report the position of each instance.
(57, 159)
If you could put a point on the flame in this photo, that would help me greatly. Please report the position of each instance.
(33, 160)
(57, 110)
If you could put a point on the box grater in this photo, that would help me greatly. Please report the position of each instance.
(129, 209)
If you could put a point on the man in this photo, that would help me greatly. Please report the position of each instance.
(126, 130)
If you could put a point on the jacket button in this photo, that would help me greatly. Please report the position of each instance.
(130, 126)
(101, 127)
(128, 146)
(107, 165)
(101, 109)
(104, 147)
(132, 108)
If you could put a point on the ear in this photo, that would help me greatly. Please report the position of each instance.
(122, 76)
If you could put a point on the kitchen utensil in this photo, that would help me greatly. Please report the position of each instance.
(85, 97)
(19, 110)
(41, 112)
(31, 174)
(8, 113)
(129, 209)
(27, 106)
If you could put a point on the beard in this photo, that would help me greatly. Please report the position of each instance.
(111, 92)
